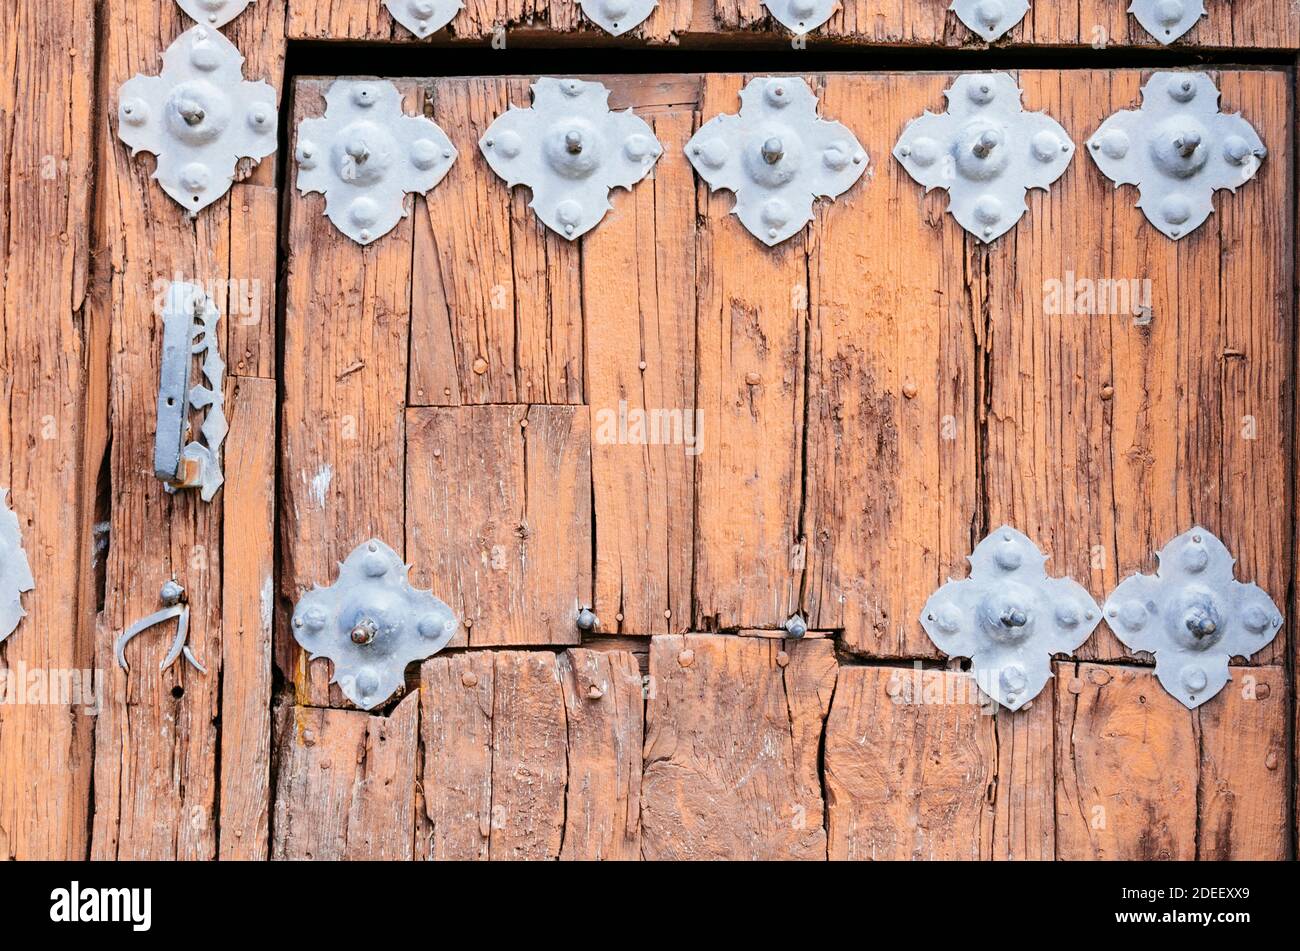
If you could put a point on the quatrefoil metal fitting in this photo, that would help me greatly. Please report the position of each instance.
(15, 571)
(777, 156)
(990, 18)
(1009, 617)
(364, 155)
(570, 149)
(424, 17)
(987, 151)
(801, 16)
(1178, 149)
(616, 17)
(371, 623)
(213, 12)
(1167, 20)
(199, 117)
(1193, 616)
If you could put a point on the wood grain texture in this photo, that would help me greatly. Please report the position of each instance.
(509, 329)
(155, 772)
(346, 327)
(51, 410)
(638, 274)
(910, 763)
(733, 728)
(891, 486)
(1090, 23)
(346, 785)
(749, 551)
(500, 518)
(247, 597)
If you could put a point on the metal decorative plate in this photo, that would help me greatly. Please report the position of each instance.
(1009, 617)
(1193, 616)
(570, 150)
(987, 151)
(616, 17)
(1178, 149)
(424, 17)
(1167, 20)
(371, 623)
(15, 571)
(213, 12)
(777, 156)
(199, 117)
(801, 16)
(990, 18)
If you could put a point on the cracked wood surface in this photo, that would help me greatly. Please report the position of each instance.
(923, 23)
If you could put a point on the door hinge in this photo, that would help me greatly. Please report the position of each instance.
(987, 151)
(570, 149)
(1193, 616)
(372, 623)
(364, 155)
(1178, 149)
(1009, 617)
(199, 117)
(15, 570)
(776, 156)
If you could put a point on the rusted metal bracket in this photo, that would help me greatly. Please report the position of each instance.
(190, 327)
(1167, 20)
(213, 12)
(364, 155)
(1009, 617)
(1178, 149)
(371, 623)
(987, 151)
(199, 117)
(570, 150)
(424, 17)
(776, 156)
(990, 18)
(15, 570)
(1193, 616)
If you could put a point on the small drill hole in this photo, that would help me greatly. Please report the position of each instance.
(178, 692)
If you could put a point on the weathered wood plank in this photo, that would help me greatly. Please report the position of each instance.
(1242, 799)
(248, 592)
(1126, 766)
(156, 739)
(51, 408)
(346, 326)
(1096, 23)
(910, 765)
(749, 552)
(641, 387)
(891, 484)
(500, 518)
(605, 713)
(732, 731)
(346, 785)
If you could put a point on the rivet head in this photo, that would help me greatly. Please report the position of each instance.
(1008, 556)
(686, 658)
(432, 626)
(753, 379)
(195, 177)
(364, 631)
(364, 212)
(594, 692)
(836, 156)
(569, 214)
(365, 95)
(640, 147)
(205, 56)
(367, 684)
(924, 151)
(587, 620)
(307, 154)
(1107, 392)
(375, 564)
(909, 390)
(776, 94)
(134, 112)
(1183, 90)
(480, 366)
(980, 92)
(1194, 558)
(469, 678)
(425, 154)
(1194, 679)
(1047, 146)
(988, 209)
(782, 659)
(713, 153)
(259, 117)
(1175, 209)
(1013, 680)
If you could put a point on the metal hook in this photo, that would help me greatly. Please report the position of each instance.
(175, 606)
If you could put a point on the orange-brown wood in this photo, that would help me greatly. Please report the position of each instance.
(732, 736)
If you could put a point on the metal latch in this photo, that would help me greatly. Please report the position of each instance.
(801, 16)
(777, 156)
(15, 570)
(987, 151)
(172, 596)
(1178, 149)
(616, 17)
(371, 623)
(424, 17)
(190, 329)
(1193, 616)
(199, 117)
(365, 155)
(570, 149)
(213, 12)
(1010, 618)
(990, 18)
(1167, 20)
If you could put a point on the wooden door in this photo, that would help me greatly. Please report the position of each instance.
(848, 414)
